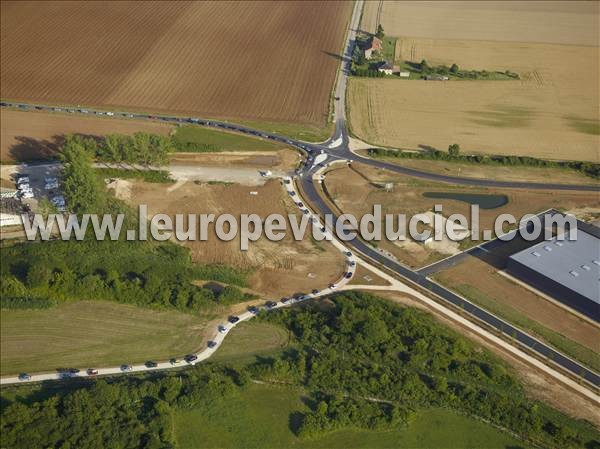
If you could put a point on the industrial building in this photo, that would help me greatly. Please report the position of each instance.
(567, 270)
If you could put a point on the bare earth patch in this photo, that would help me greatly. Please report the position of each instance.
(279, 268)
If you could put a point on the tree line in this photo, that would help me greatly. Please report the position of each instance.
(587, 168)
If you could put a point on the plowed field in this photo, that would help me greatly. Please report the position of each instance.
(244, 60)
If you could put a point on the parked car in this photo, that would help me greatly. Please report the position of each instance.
(285, 299)
(348, 275)
(332, 286)
(92, 372)
(348, 253)
(190, 358)
(233, 319)
(174, 361)
(253, 309)
(126, 368)
(212, 344)
(222, 329)
(270, 304)
(151, 364)
(315, 292)
(24, 376)
(23, 179)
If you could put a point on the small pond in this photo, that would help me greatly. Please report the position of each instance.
(484, 201)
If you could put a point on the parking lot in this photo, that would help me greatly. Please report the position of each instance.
(37, 181)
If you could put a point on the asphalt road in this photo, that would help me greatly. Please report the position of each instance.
(337, 148)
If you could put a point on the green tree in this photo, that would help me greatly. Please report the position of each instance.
(454, 149)
(454, 69)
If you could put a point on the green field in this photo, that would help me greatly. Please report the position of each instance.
(208, 140)
(93, 333)
(306, 132)
(263, 416)
(250, 339)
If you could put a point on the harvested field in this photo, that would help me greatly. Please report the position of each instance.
(561, 22)
(248, 60)
(37, 135)
(279, 268)
(552, 112)
(278, 160)
(356, 190)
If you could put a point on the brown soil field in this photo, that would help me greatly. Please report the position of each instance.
(279, 160)
(241, 60)
(356, 191)
(561, 22)
(552, 112)
(478, 274)
(279, 268)
(497, 172)
(38, 135)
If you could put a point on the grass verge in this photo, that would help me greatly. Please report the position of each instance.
(197, 139)
(560, 342)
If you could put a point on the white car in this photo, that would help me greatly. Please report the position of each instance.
(27, 194)
(110, 114)
(24, 186)
(332, 286)
(23, 180)
(222, 329)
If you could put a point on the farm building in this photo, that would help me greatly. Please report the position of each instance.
(385, 67)
(373, 45)
(567, 270)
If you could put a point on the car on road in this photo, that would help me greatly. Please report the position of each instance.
(92, 372)
(126, 368)
(300, 204)
(190, 358)
(174, 361)
(323, 229)
(348, 275)
(351, 263)
(212, 344)
(23, 179)
(292, 193)
(233, 319)
(24, 376)
(270, 304)
(305, 211)
(151, 364)
(332, 286)
(285, 299)
(348, 253)
(286, 181)
(222, 329)
(315, 292)
(253, 310)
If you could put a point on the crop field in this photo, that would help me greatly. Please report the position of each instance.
(278, 268)
(552, 112)
(94, 333)
(356, 190)
(27, 136)
(249, 60)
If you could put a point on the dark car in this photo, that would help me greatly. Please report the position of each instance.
(315, 292)
(348, 253)
(270, 304)
(151, 364)
(305, 211)
(233, 319)
(212, 344)
(174, 361)
(24, 376)
(126, 368)
(285, 299)
(351, 263)
(253, 309)
(348, 275)
(92, 372)
(190, 358)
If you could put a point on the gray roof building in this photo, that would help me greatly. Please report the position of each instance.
(568, 270)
